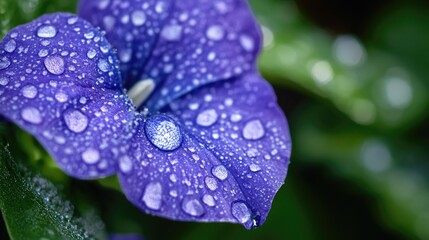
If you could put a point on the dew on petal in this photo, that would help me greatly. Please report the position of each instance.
(215, 33)
(31, 115)
(10, 46)
(43, 53)
(209, 200)
(55, 65)
(61, 97)
(4, 63)
(193, 207)
(138, 18)
(254, 167)
(76, 121)
(29, 91)
(4, 81)
(207, 118)
(236, 117)
(220, 172)
(152, 196)
(253, 130)
(91, 53)
(172, 32)
(103, 65)
(46, 31)
(125, 164)
(211, 183)
(247, 43)
(241, 212)
(91, 156)
(163, 132)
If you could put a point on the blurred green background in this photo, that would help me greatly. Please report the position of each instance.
(352, 77)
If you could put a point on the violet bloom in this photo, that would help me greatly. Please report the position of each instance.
(199, 137)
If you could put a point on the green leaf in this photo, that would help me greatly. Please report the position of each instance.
(371, 86)
(34, 208)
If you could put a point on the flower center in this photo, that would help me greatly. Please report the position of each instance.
(141, 91)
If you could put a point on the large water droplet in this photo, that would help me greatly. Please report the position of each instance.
(211, 183)
(54, 64)
(4, 62)
(220, 172)
(46, 31)
(76, 121)
(138, 18)
(207, 118)
(31, 115)
(10, 46)
(91, 53)
(209, 200)
(241, 212)
(29, 91)
(163, 132)
(172, 32)
(253, 130)
(91, 156)
(215, 32)
(152, 195)
(193, 207)
(125, 164)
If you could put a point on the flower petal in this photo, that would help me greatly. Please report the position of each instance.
(59, 80)
(227, 164)
(202, 42)
(180, 46)
(131, 26)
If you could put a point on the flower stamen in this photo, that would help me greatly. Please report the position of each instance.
(141, 91)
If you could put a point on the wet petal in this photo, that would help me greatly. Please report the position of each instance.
(180, 45)
(131, 26)
(226, 163)
(202, 42)
(61, 83)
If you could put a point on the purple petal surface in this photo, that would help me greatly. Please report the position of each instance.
(188, 44)
(226, 154)
(131, 26)
(59, 81)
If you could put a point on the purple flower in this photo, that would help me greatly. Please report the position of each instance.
(191, 129)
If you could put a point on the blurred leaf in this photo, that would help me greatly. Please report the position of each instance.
(392, 171)
(16, 12)
(369, 85)
(33, 207)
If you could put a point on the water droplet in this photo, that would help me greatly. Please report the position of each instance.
(215, 32)
(247, 43)
(211, 56)
(43, 53)
(152, 195)
(253, 130)
(209, 200)
(89, 35)
(31, 115)
(254, 167)
(55, 65)
(4, 81)
(125, 164)
(10, 46)
(211, 183)
(46, 31)
(163, 132)
(236, 117)
(91, 156)
(76, 121)
(138, 18)
(103, 65)
(207, 118)
(220, 172)
(4, 62)
(125, 55)
(172, 32)
(61, 97)
(72, 20)
(91, 53)
(241, 212)
(193, 207)
(102, 4)
(29, 91)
